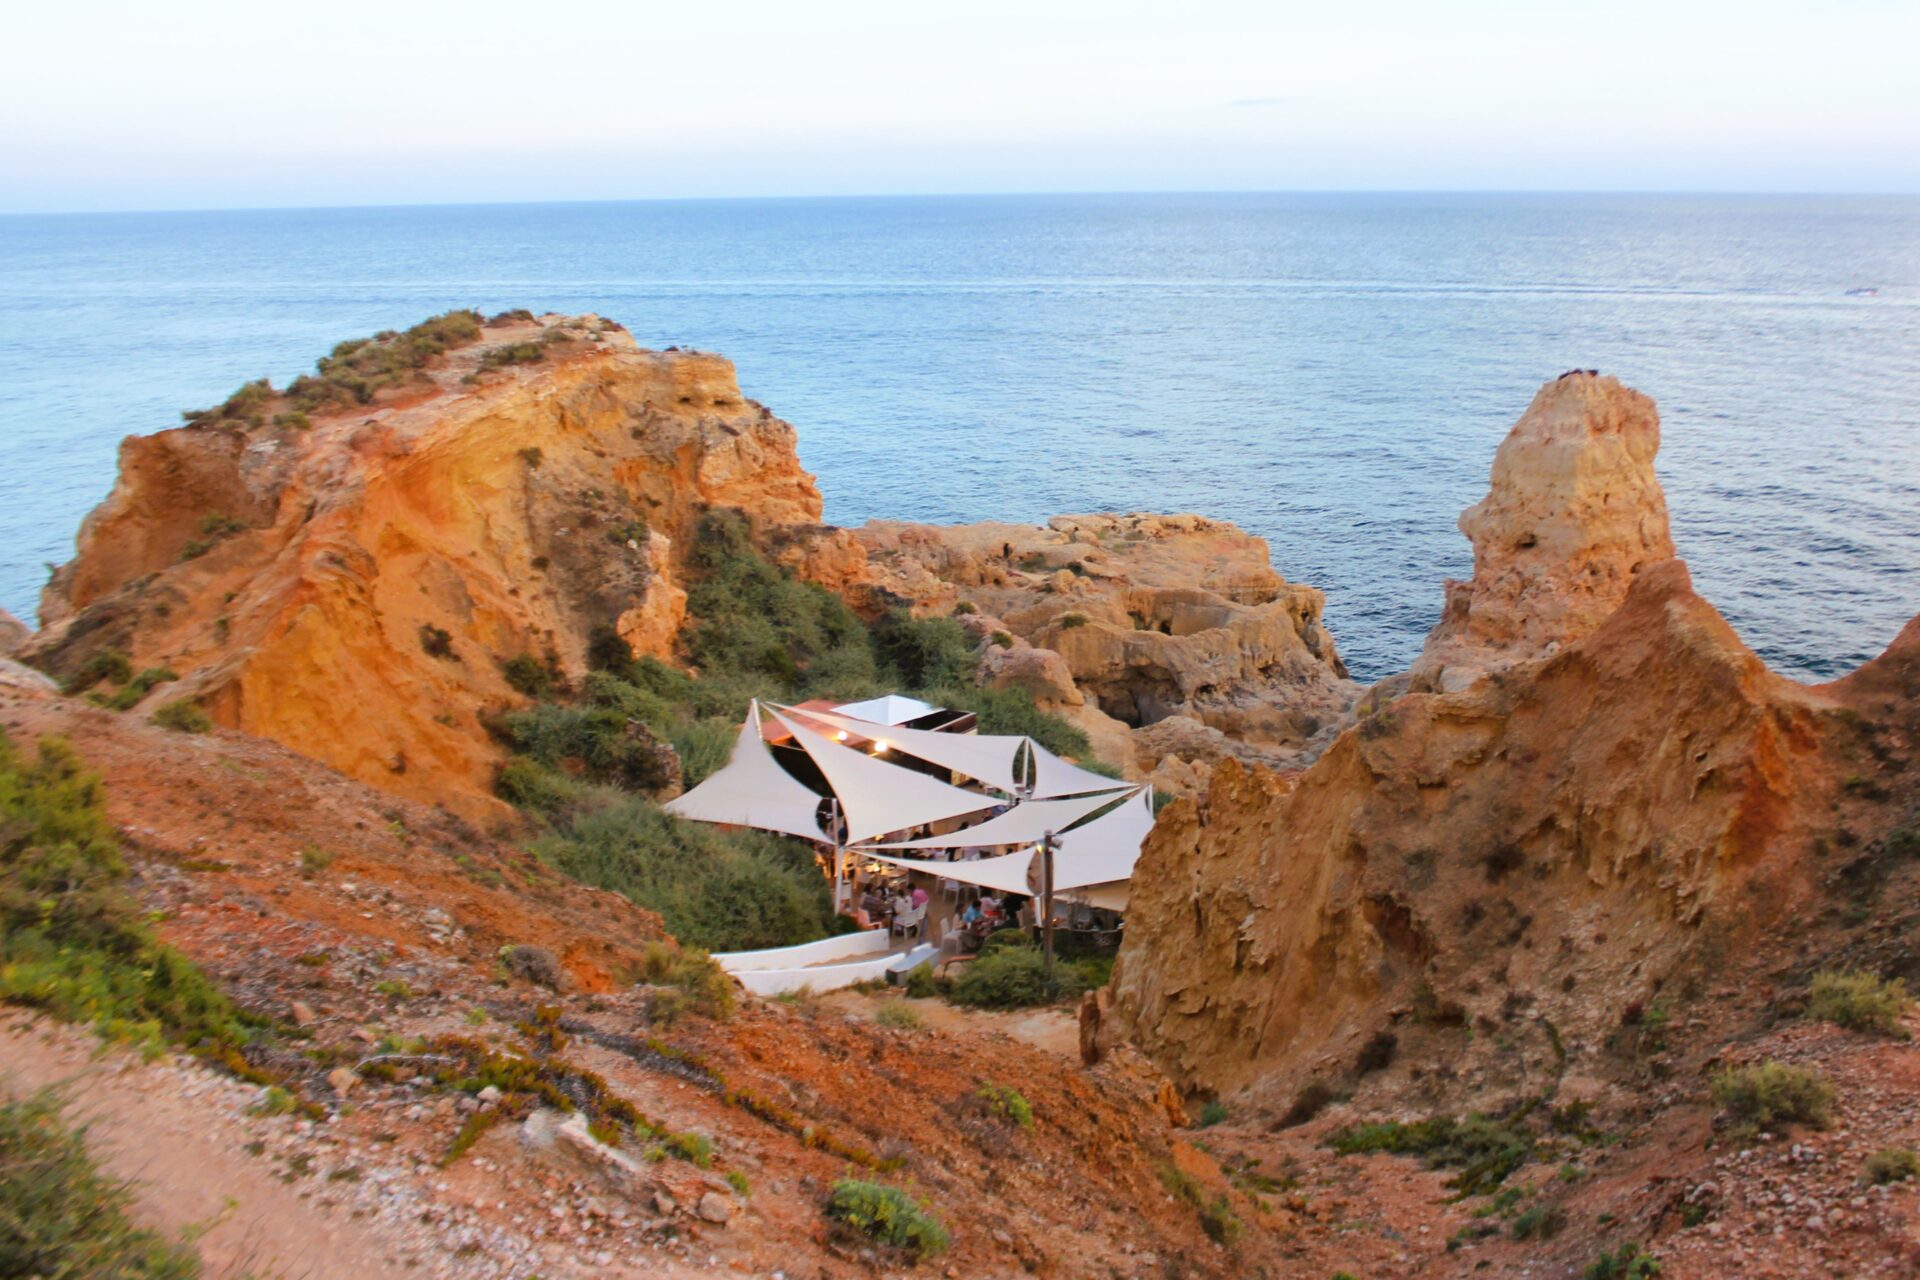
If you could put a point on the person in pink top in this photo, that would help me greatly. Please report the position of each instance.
(919, 897)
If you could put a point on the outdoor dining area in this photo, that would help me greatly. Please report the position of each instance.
(930, 830)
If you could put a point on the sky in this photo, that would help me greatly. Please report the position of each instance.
(108, 105)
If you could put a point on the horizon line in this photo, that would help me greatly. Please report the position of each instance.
(1725, 193)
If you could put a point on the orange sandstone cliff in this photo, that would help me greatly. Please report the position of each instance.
(353, 589)
(1594, 799)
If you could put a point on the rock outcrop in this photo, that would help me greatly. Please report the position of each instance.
(13, 634)
(1122, 622)
(353, 588)
(1487, 872)
(1573, 510)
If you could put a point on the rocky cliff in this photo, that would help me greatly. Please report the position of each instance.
(1169, 638)
(1594, 797)
(352, 581)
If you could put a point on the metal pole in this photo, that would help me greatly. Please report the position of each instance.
(833, 817)
(1046, 900)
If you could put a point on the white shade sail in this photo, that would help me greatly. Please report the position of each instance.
(1106, 848)
(1007, 873)
(890, 710)
(1022, 824)
(1101, 853)
(1053, 776)
(987, 757)
(1107, 897)
(752, 790)
(877, 797)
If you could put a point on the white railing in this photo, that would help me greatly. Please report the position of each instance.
(847, 946)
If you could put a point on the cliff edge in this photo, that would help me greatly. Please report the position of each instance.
(354, 580)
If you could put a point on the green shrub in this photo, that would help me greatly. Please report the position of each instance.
(898, 1016)
(1069, 621)
(888, 1215)
(527, 674)
(1858, 1002)
(436, 642)
(738, 1181)
(1212, 1112)
(104, 664)
(72, 941)
(1484, 1150)
(599, 737)
(1626, 1263)
(1002, 639)
(924, 653)
(724, 890)
(1006, 1103)
(608, 651)
(535, 964)
(1896, 1164)
(183, 716)
(314, 860)
(921, 982)
(514, 353)
(964, 607)
(1011, 977)
(352, 374)
(708, 988)
(531, 785)
(134, 690)
(755, 619)
(1772, 1093)
(1542, 1222)
(61, 1216)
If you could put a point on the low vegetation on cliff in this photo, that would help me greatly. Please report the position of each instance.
(588, 760)
(60, 1215)
(71, 938)
(354, 372)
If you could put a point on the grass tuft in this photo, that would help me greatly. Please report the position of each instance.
(1773, 1093)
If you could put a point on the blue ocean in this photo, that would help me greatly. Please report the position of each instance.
(1331, 372)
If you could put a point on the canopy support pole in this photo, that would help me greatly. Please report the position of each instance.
(1046, 901)
(842, 892)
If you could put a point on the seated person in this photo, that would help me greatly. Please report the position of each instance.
(901, 904)
(972, 917)
(919, 896)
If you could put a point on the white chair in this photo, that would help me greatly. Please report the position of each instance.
(949, 888)
(910, 920)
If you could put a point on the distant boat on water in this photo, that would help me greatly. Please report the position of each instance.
(1863, 293)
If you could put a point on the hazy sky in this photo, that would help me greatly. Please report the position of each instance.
(220, 103)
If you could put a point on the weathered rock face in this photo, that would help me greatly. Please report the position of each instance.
(1573, 510)
(13, 634)
(1122, 622)
(352, 590)
(1485, 874)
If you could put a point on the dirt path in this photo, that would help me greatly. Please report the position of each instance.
(182, 1133)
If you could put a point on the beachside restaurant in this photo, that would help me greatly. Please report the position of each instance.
(932, 834)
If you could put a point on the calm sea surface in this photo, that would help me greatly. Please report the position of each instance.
(1331, 372)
